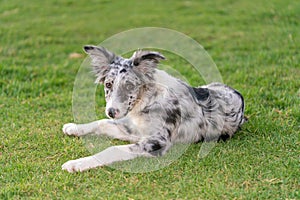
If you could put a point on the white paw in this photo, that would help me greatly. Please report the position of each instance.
(70, 129)
(80, 165)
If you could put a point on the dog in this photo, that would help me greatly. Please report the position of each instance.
(153, 110)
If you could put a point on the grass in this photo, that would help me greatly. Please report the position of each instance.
(255, 45)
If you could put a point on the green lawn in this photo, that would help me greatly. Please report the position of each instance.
(256, 46)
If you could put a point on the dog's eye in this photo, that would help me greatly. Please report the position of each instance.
(108, 85)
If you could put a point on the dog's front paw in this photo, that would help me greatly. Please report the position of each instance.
(80, 165)
(71, 129)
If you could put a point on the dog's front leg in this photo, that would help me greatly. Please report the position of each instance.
(112, 128)
(81, 129)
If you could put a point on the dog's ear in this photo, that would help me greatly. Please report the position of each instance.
(146, 61)
(141, 55)
(101, 59)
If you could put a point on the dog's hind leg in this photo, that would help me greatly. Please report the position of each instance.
(101, 127)
(105, 157)
(153, 146)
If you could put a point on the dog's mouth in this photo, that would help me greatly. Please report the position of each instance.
(119, 116)
(123, 114)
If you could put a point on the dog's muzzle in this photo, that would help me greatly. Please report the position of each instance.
(112, 112)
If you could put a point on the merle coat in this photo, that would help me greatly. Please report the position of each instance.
(153, 110)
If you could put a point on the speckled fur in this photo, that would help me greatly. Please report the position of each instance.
(153, 110)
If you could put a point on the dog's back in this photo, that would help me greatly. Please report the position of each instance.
(207, 112)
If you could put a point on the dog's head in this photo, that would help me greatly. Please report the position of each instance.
(123, 79)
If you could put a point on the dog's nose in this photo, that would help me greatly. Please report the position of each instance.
(112, 112)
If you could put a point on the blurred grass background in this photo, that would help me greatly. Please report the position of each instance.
(255, 45)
